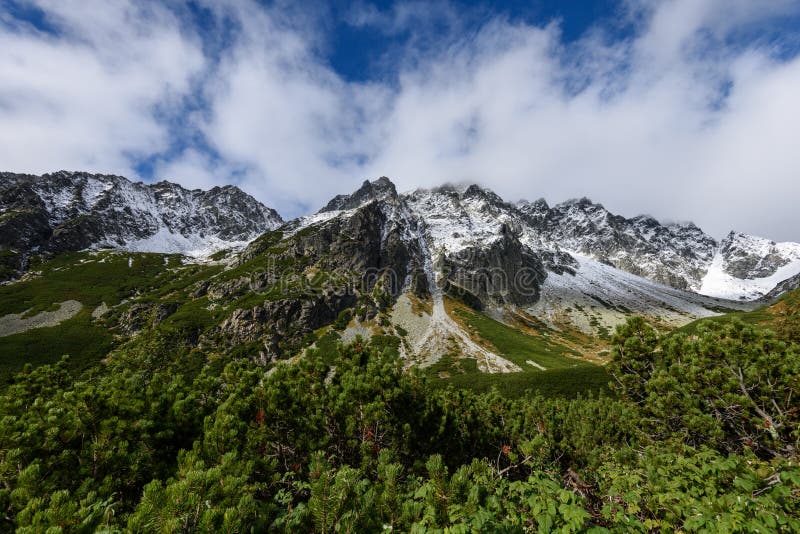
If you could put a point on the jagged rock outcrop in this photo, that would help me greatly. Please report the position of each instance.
(141, 315)
(750, 257)
(363, 260)
(284, 323)
(790, 284)
(504, 273)
(380, 189)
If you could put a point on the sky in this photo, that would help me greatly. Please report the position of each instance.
(680, 109)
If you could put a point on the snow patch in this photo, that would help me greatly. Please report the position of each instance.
(166, 242)
(718, 283)
(600, 297)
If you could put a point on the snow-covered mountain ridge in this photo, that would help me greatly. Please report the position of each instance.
(70, 211)
(678, 255)
(67, 211)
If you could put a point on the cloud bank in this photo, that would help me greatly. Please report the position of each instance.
(689, 114)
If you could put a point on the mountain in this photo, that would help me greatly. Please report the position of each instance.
(453, 278)
(674, 255)
(748, 267)
(741, 267)
(71, 211)
(574, 266)
(678, 255)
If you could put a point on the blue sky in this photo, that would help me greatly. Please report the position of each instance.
(683, 109)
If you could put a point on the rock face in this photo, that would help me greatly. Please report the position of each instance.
(674, 255)
(682, 256)
(141, 315)
(749, 257)
(471, 230)
(70, 211)
(787, 285)
(506, 272)
(359, 259)
(466, 239)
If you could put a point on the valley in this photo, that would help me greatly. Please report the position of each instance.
(448, 275)
(540, 367)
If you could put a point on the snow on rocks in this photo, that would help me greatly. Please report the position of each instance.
(599, 297)
(98, 211)
(747, 267)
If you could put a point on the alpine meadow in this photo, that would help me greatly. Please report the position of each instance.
(217, 324)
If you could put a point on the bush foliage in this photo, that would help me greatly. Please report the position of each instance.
(161, 437)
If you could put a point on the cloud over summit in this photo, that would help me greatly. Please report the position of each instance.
(684, 109)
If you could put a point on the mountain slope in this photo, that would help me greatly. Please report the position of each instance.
(71, 211)
(674, 255)
(443, 278)
(741, 267)
(500, 259)
(748, 268)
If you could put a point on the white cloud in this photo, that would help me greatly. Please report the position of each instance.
(85, 98)
(640, 124)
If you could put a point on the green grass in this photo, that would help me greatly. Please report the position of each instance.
(85, 343)
(91, 278)
(759, 316)
(191, 316)
(452, 365)
(764, 316)
(564, 376)
(327, 344)
(564, 382)
(87, 278)
(386, 343)
(517, 346)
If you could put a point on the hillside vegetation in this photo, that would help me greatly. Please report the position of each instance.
(701, 436)
(782, 316)
(93, 279)
(158, 422)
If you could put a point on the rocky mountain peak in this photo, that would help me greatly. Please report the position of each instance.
(539, 204)
(535, 213)
(646, 221)
(749, 257)
(479, 192)
(380, 189)
(69, 211)
(582, 203)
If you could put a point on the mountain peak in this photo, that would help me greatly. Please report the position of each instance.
(477, 191)
(382, 188)
(538, 204)
(582, 202)
(68, 211)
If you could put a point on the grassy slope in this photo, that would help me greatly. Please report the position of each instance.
(108, 277)
(565, 376)
(769, 316)
(90, 278)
